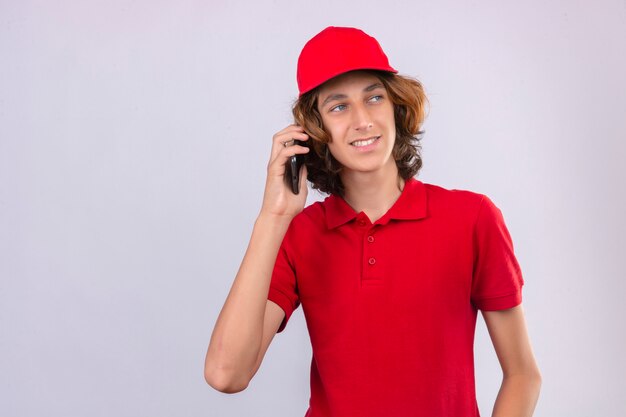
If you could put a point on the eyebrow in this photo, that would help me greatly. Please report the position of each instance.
(343, 96)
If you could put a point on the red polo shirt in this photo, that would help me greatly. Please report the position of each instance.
(391, 306)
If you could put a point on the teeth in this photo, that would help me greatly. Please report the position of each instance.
(364, 142)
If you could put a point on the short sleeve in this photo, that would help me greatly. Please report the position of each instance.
(497, 278)
(283, 288)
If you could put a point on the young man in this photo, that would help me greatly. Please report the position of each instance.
(390, 271)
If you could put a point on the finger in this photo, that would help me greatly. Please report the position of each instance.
(277, 165)
(288, 138)
(284, 142)
(289, 142)
(290, 130)
(288, 151)
(286, 148)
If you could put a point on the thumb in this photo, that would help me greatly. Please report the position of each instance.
(303, 177)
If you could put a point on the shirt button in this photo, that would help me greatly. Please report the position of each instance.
(370, 239)
(361, 222)
(372, 261)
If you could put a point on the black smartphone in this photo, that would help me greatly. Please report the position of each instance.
(292, 169)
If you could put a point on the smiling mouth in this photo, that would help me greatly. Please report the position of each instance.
(365, 142)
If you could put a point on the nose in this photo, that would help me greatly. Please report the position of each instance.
(362, 119)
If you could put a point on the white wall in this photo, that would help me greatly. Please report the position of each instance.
(134, 138)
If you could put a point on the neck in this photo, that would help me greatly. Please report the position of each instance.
(374, 192)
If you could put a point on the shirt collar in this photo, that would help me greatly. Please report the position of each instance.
(411, 205)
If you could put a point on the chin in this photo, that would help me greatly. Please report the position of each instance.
(364, 169)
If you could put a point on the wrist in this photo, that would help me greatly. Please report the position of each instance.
(274, 219)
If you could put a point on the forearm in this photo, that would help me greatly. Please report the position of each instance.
(518, 396)
(236, 338)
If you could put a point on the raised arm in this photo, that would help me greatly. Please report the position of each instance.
(521, 381)
(238, 343)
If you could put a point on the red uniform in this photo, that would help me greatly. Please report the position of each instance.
(391, 306)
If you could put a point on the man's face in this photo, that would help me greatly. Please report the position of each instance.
(358, 114)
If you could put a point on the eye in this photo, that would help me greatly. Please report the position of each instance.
(338, 108)
(376, 98)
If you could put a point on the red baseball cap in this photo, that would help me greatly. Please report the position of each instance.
(336, 50)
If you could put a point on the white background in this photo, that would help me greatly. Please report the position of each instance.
(134, 139)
